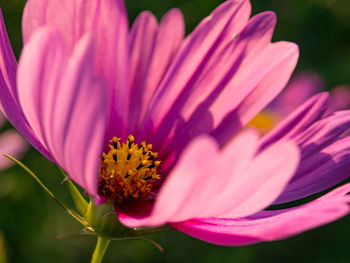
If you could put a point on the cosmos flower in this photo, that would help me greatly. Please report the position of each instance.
(301, 87)
(152, 123)
(11, 143)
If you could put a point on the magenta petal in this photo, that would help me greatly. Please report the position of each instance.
(322, 133)
(134, 213)
(8, 63)
(167, 44)
(142, 42)
(41, 67)
(301, 87)
(241, 186)
(232, 161)
(270, 225)
(265, 179)
(304, 116)
(203, 173)
(207, 182)
(152, 50)
(192, 182)
(319, 171)
(13, 144)
(323, 156)
(107, 20)
(203, 45)
(340, 98)
(2, 119)
(178, 186)
(250, 61)
(9, 98)
(234, 184)
(64, 103)
(263, 85)
(80, 128)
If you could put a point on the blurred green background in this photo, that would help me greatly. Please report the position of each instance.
(30, 220)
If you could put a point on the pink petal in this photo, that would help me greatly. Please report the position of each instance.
(225, 106)
(207, 182)
(108, 21)
(64, 103)
(132, 213)
(234, 160)
(201, 175)
(13, 144)
(323, 155)
(8, 63)
(152, 50)
(9, 99)
(194, 170)
(322, 133)
(208, 39)
(301, 87)
(280, 60)
(142, 41)
(304, 116)
(213, 79)
(267, 177)
(340, 98)
(2, 119)
(320, 171)
(41, 68)
(270, 225)
(190, 187)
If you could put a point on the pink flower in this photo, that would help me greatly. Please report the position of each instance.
(10, 143)
(301, 87)
(85, 82)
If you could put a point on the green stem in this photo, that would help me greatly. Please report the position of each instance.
(100, 250)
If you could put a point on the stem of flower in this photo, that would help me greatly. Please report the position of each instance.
(100, 250)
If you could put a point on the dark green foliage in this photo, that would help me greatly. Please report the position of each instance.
(30, 220)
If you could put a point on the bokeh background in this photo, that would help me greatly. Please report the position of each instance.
(30, 220)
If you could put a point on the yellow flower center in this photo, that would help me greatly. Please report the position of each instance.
(264, 122)
(128, 170)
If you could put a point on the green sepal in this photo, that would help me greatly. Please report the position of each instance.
(80, 202)
(103, 220)
(75, 215)
(98, 220)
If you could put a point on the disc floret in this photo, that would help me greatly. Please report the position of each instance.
(128, 170)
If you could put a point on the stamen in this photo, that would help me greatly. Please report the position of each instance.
(142, 164)
(128, 170)
(264, 121)
(151, 166)
(129, 154)
(116, 143)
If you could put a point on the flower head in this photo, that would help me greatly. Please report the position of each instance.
(301, 87)
(85, 83)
